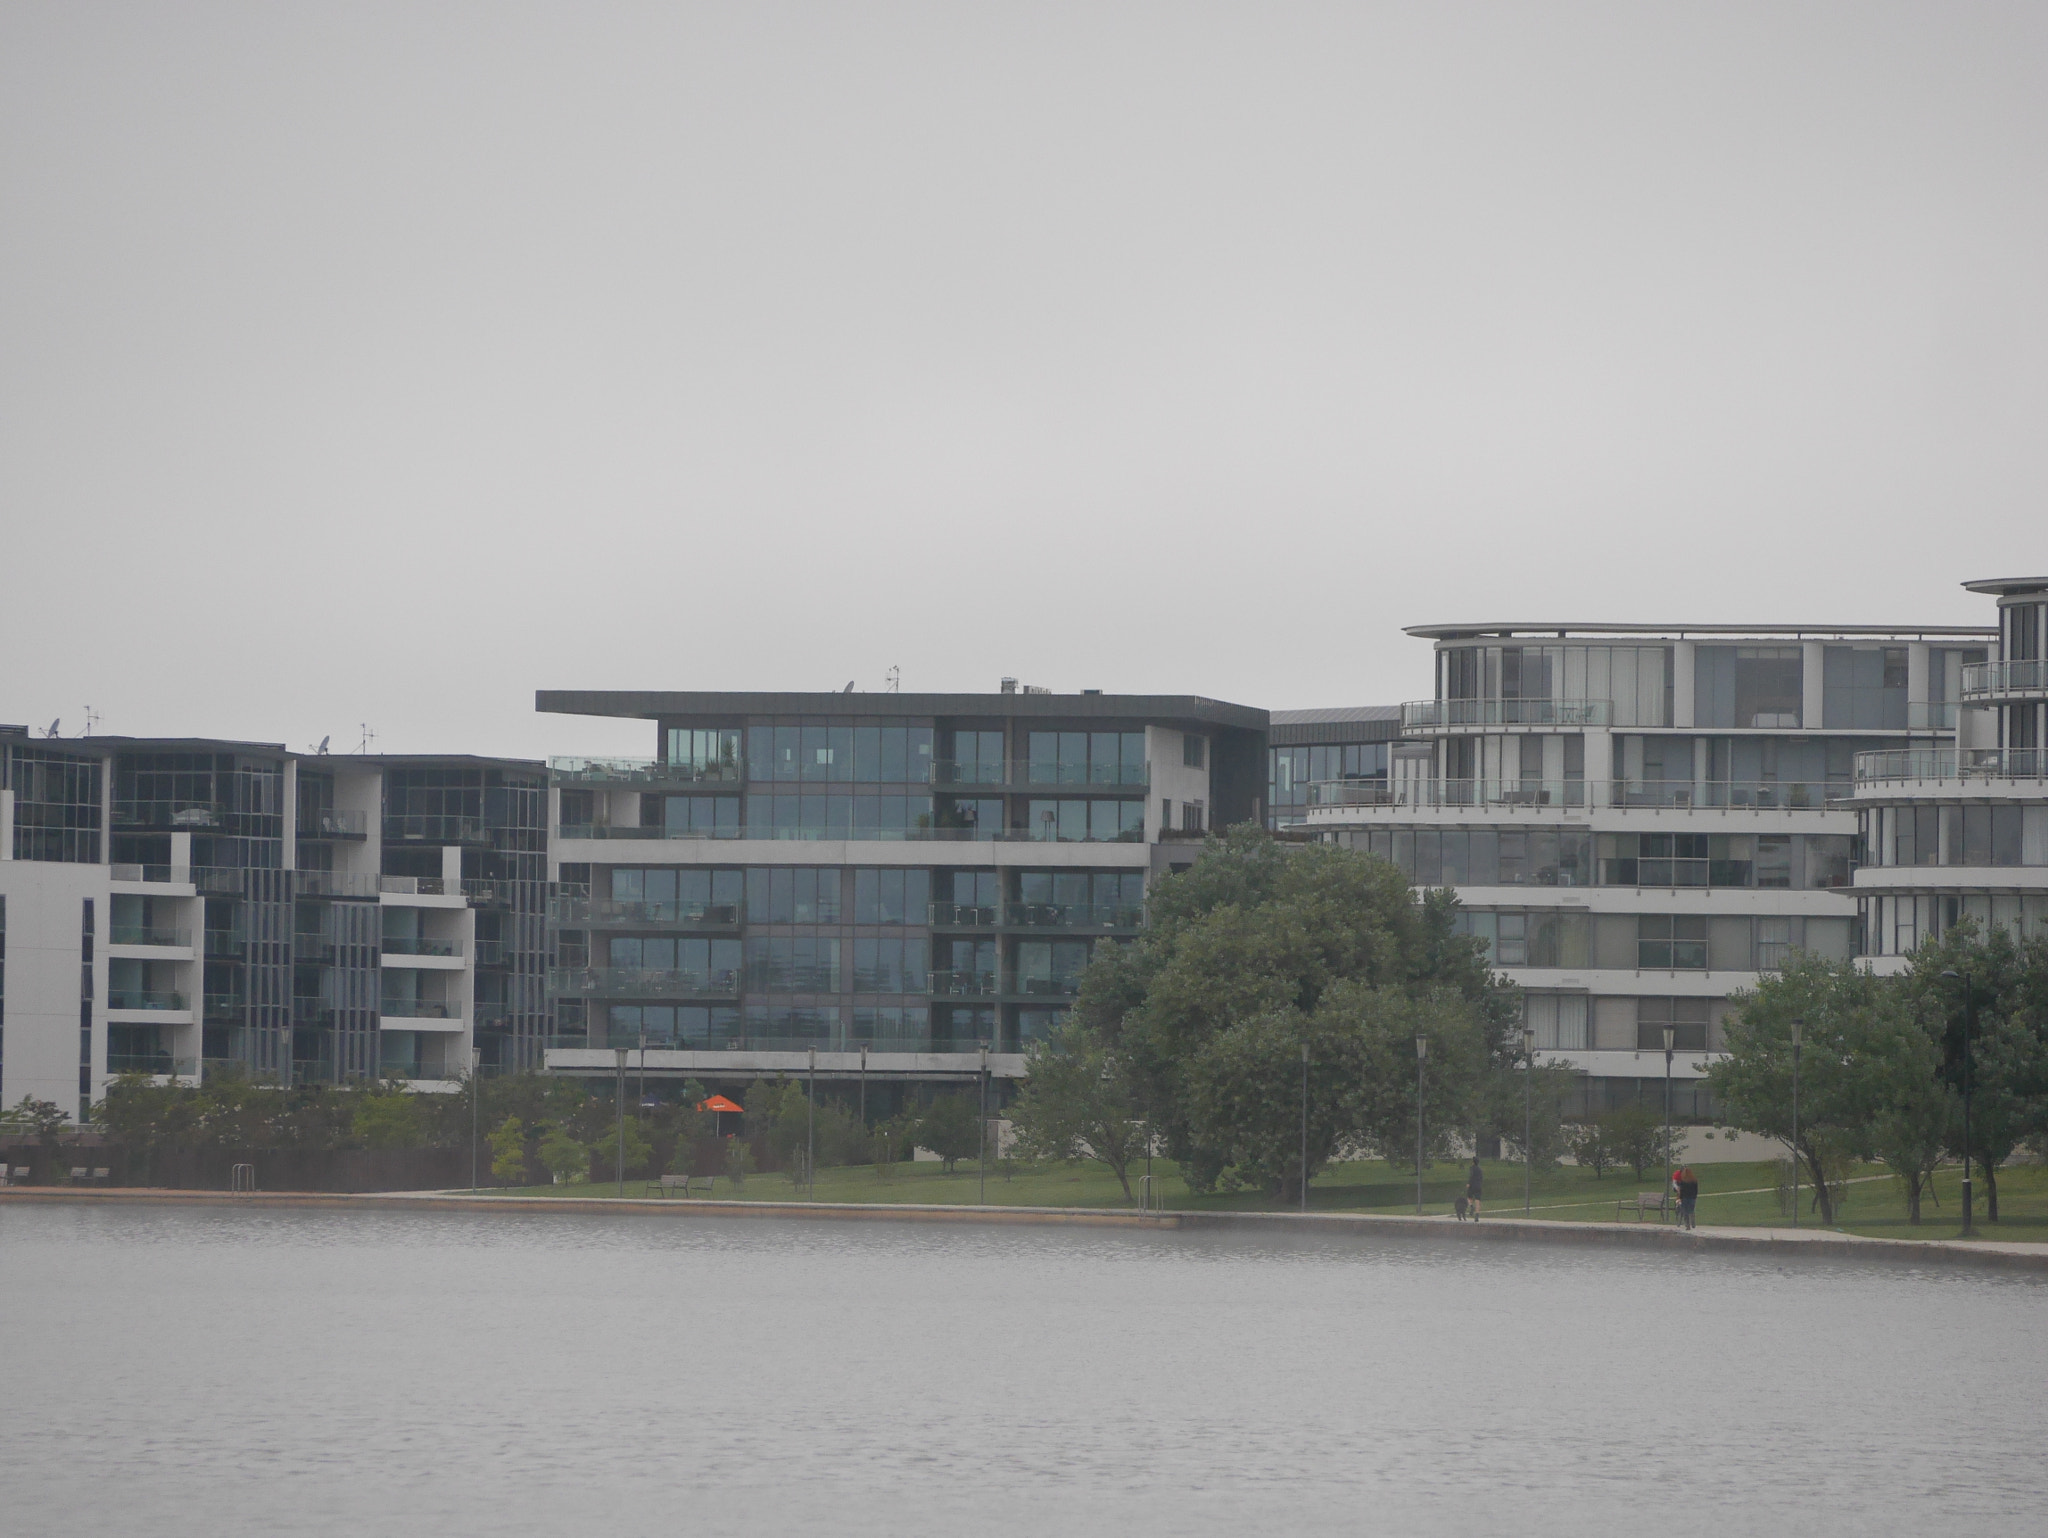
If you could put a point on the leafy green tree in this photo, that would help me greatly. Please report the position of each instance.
(2008, 1057)
(391, 1118)
(508, 1150)
(41, 1119)
(1913, 1110)
(1520, 1100)
(1635, 1137)
(1078, 1102)
(1586, 1141)
(951, 1128)
(1239, 950)
(639, 1149)
(567, 1158)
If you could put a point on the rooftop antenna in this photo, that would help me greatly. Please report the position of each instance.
(92, 720)
(322, 749)
(895, 680)
(368, 739)
(53, 727)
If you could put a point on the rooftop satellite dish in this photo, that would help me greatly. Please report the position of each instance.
(323, 745)
(849, 687)
(53, 727)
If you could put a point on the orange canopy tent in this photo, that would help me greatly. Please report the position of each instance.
(719, 1103)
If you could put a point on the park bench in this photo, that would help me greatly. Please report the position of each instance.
(1642, 1202)
(80, 1174)
(17, 1175)
(102, 1176)
(669, 1184)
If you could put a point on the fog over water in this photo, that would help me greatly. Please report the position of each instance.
(255, 1372)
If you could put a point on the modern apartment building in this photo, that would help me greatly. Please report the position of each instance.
(1641, 820)
(174, 904)
(1959, 828)
(1349, 745)
(892, 881)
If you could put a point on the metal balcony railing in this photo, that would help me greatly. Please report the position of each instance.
(2020, 675)
(1756, 795)
(640, 771)
(571, 909)
(330, 823)
(148, 934)
(1963, 764)
(1430, 715)
(420, 945)
(146, 998)
(1075, 915)
(435, 828)
(657, 983)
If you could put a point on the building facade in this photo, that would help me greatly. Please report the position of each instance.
(176, 905)
(1349, 745)
(894, 882)
(1642, 820)
(1959, 828)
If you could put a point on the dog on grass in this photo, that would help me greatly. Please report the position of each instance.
(1461, 1206)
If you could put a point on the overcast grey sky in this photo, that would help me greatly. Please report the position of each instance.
(366, 362)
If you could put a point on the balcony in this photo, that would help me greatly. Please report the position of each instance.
(1436, 715)
(1075, 915)
(1960, 764)
(609, 912)
(492, 953)
(156, 1063)
(151, 873)
(573, 831)
(336, 883)
(972, 984)
(2023, 678)
(640, 771)
(648, 983)
(330, 824)
(1055, 986)
(736, 1041)
(437, 828)
(419, 945)
(222, 1009)
(225, 945)
(1930, 715)
(960, 916)
(309, 949)
(169, 815)
(146, 998)
(148, 934)
(417, 1009)
(1724, 795)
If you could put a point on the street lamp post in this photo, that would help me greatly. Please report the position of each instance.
(1797, 1027)
(1969, 1030)
(1670, 1040)
(1421, 1057)
(984, 1124)
(1528, 1113)
(619, 1098)
(1304, 1126)
(863, 1089)
(476, 1089)
(811, 1129)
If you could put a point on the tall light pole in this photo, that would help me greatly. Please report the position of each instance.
(984, 1124)
(1670, 1041)
(1304, 1126)
(1528, 1113)
(863, 1089)
(1421, 1057)
(476, 1089)
(619, 1098)
(811, 1130)
(1969, 1030)
(1797, 1027)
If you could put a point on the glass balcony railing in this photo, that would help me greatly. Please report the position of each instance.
(1760, 795)
(223, 1008)
(174, 815)
(158, 1063)
(834, 1041)
(1075, 915)
(572, 831)
(420, 945)
(640, 771)
(610, 911)
(333, 824)
(336, 883)
(438, 828)
(961, 916)
(2020, 675)
(974, 983)
(1964, 764)
(1427, 715)
(1930, 715)
(417, 1009)
(491, 953)
(177, 873)
(146, 998)
(148, 934)
(225, 945)
(1057, 985)
(652, 983)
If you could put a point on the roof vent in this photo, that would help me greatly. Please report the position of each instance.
(1009, 686)
(1091, 691)
(1036, 689)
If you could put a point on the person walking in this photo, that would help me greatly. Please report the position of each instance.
(1475, 1184)
(1688, 1185)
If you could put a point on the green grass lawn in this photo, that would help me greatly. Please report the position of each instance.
(1735, 1194)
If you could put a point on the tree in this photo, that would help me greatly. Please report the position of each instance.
(2008, 1056)
(951, 1128)
(41, 1119)
(1635, 1137)
(1587, 1143)
(1853, 1025)
(1913, 1110)
(1079, 1101)
(1220, 990)
(566, 1158)
(605, 1148)
(508, 1151)
(388, 1119)
(1523, 1102)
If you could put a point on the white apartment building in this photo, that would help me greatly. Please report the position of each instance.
(1959, 829)
(1641, 820)
(171, 907)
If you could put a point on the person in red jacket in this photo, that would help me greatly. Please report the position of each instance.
(1688, 1186)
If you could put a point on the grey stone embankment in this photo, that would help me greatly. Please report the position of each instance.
(1787, 1244)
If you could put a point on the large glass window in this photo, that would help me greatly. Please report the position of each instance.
(792, 964)
(977, 759)
(1864, 686)
(1560, 1021)
(1531, 939)
(56, 805)
(1051, 966)
(825, 814)
(901, 1027)
(890, 896)
(701, 1025)
(701, 816)
(845, 751)
(1671, 942)
(1052, 898)
(892, 964)
(1748, 686)
(1687, 1017)
(711, 753)
(688, 896)
(795, 894)
(1086, 758)
(1483, 856)
(1076, 821)
(709, 963)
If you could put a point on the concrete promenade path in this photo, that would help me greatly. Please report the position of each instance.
(1789, 1243)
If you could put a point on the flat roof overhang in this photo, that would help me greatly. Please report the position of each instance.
(667, 704)
(1564, 629)
(2007, 587)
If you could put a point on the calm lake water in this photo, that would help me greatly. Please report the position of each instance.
(231, 1372)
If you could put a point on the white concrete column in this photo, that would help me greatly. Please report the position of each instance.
(1917, 680)
(1815, 659)
(181, 852)
(451, 866)
(1683, 678)
(1599, 764)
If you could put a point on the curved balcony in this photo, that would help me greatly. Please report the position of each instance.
(1963, 765)
(2024, 678)
(1478, 715)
